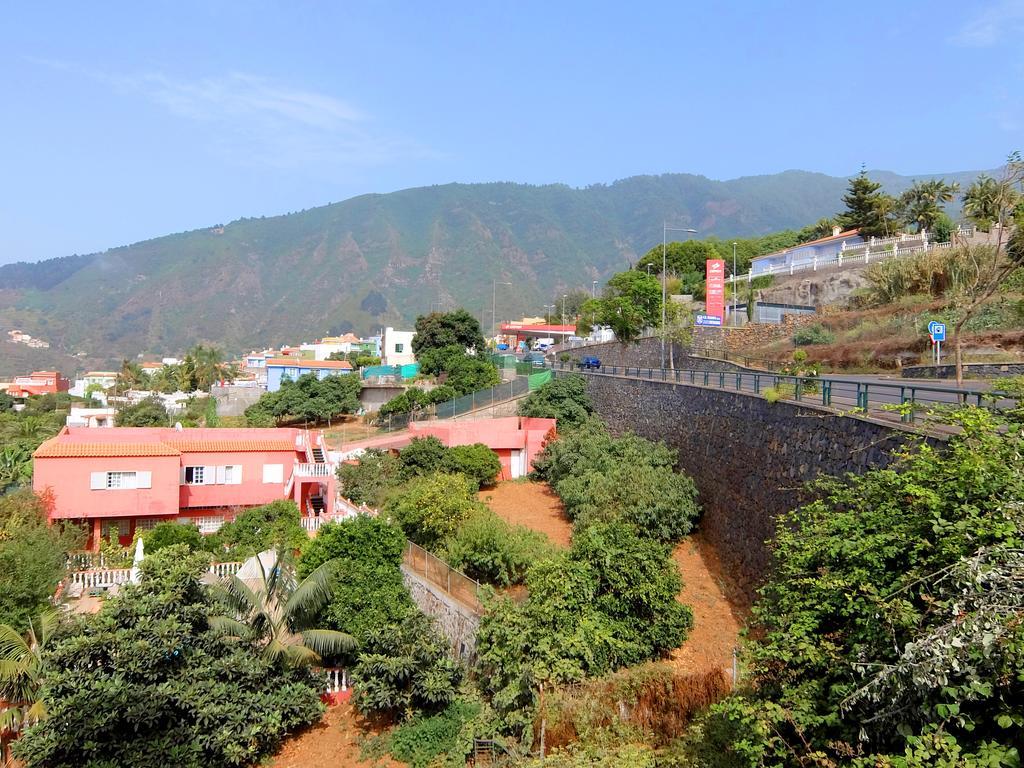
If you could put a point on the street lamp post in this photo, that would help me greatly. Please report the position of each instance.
(734, 283)
(593, 290)
(494, 296)
(564, 297)
(665, 229)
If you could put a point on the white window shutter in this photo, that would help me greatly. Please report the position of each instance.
(143, 479)
(209, 475)
(221, 472)
(273, 473)
(181, 478)
(97, 481)
(236, 476)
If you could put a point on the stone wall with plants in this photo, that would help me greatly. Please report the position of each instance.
(749, 458)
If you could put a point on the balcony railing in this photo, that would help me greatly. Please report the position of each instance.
(308, 469)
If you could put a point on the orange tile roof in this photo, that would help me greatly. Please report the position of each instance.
(199, 445)
(63, 449)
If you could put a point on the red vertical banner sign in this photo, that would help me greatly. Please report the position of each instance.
(715, 301)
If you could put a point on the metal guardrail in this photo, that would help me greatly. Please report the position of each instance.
(878, 398)
(733, 357)
(439, 573)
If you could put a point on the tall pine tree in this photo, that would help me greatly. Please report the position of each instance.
(868, 208)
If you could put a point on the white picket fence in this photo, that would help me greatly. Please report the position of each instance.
(105, 578)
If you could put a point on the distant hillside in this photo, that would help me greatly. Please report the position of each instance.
(382, 259)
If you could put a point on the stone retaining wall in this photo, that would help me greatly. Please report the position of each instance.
(455, 621)
(971, 370)
(749, 458)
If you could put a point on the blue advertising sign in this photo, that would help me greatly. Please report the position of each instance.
(713, 320)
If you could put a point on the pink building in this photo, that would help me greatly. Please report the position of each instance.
(516, 439)
(120, 480)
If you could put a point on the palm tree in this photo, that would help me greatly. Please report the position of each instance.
(15, 465)
(923, 202)
(987, 200)
(131, 376)
(21, 670)
(275, 610)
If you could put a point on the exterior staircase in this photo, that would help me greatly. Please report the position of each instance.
(317, 505)
(318, 455)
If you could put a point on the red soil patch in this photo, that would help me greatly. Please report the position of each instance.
(533, 505)
(334, 741)
(717, 615)
(718, 612)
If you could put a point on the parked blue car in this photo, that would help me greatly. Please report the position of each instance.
(590, 363)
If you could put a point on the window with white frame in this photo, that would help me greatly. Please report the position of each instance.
(208, 523)
(195, 475)
(113, 529)
(233, 474)
(120, 480)
(146, 523)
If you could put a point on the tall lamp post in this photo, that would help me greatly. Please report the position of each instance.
(494, 296)
(665, 229)
(564, 297)
(593, 290)
(734, 283)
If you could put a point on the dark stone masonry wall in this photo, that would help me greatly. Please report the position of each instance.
(971, 370)
(748, 458)
(646, 353)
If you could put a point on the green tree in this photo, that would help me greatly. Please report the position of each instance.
(477, 463)
(146, 677)
(22, 667)
(366, 481)
(276, 612)
(923, 203)
(33, 557)
(145, 413)
(405, 668)
(430, 509)
(868, 209)
(471, 374)
(6, 402)
(131, 376)
(488, 549)
(563, 398)
(439, 329)
(891, 616)
(422, 456)
(273, 525)
(987, 201)
(165, 535)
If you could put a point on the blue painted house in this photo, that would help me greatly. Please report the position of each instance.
(293, 367)
(821, 250)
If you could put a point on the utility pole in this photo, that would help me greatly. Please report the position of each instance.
(494, 296)
(734, 283)
(664, 267)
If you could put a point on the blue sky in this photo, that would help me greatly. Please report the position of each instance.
(124, 121)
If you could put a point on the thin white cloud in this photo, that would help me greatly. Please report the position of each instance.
(1001, 19)
(258, 120)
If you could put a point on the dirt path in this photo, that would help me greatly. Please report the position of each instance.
(717, 617)
(334, 741)
(531, 504)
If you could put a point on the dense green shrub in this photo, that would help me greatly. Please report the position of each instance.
(171, 534)
(365, 481)
(430, 509)
(813, 334)
(890, 622)
(476, 462)
(423, 739)
(471, 374)
(412, 399)
(146, 682)
(563, 398)
(372, 541)
(308, 398)
(145, 413)
(607, 602)
(488, 549)
(270, 526)
(32, 557)
(601, 478)
(405, 668)
(422, 456)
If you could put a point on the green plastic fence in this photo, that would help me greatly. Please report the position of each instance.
(539, 379)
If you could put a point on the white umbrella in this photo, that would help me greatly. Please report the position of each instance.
(139, 554)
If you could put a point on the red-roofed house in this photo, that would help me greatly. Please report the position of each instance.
(38, 383)
(120, 480)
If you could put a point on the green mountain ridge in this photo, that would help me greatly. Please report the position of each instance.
(382, 259)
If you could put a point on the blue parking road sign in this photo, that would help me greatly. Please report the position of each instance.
(937, 331)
